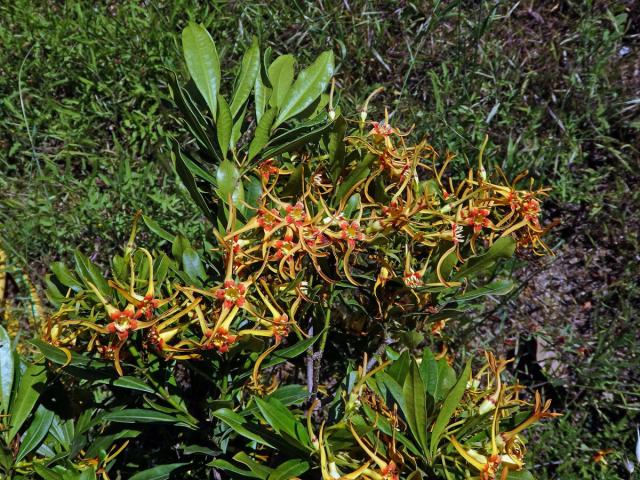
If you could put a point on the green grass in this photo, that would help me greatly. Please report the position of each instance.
(85, 114)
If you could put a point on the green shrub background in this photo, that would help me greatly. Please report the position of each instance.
(555, 85)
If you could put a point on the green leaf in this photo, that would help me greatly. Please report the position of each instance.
(159, 472)
(157, 229)
(90, 273)
(195, 121)
(130, 383)
(64, 275)
(281, 77)
(224, 126)
(521, 475)
(62, 431)
(499, 287)
(6, 369)
(501, 248)
(311, 82)
(192, 264)
(242, 426)
(202, 62)
(143, 415)
(262, 133)
(289, 469)
(36, 432)
(253, 191)
(248, 74)
(230, 467)
(448, 408)
(180, 244)
(46, 473)
(357, 175)
(57, 355)
(414, 392)
(262, 94)
(306, 137)
(189, 182)
(336, 147)
(227, 177)
(32, 384)
(283, 422)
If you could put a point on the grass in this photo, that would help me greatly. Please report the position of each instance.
(554, 85)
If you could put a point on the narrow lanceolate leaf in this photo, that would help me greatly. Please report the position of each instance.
(141, 415)
(247, 77)
(203, 64)
(263, 131)
(414, 394)
(309, 85)
(6, 369)
(32, 384)
(448, 408)
(224, 126)
(37, 431)
(281, 78)
(160, 472)
(190, 183)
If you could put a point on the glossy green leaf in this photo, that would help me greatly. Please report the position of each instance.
(59, 356)
(157, 229)
(192, 264)
(262, 93)
(142, 415)
(130, 383)
(336, 147)
(224, 126)
(281, 77)
(230, 467)
(241, 425)
(190, 183)
(253, 191)
(202, 61)
(499, 287)
(283, 422)
(32, 384)
(357, 175)
(262, 133)
(159, 472)
(36, 432)
(298, 142)
(91, 273)
(227, 177)
(502, 248)
(309, 85)
(247, 78)
(289, 469)
(449, 406)
(64, 275)
(62, 431)
(6, 369)
(521, 475)
(195, 121)
(414, 394)
(47, 473)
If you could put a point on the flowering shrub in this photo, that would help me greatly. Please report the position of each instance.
(324, 229)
